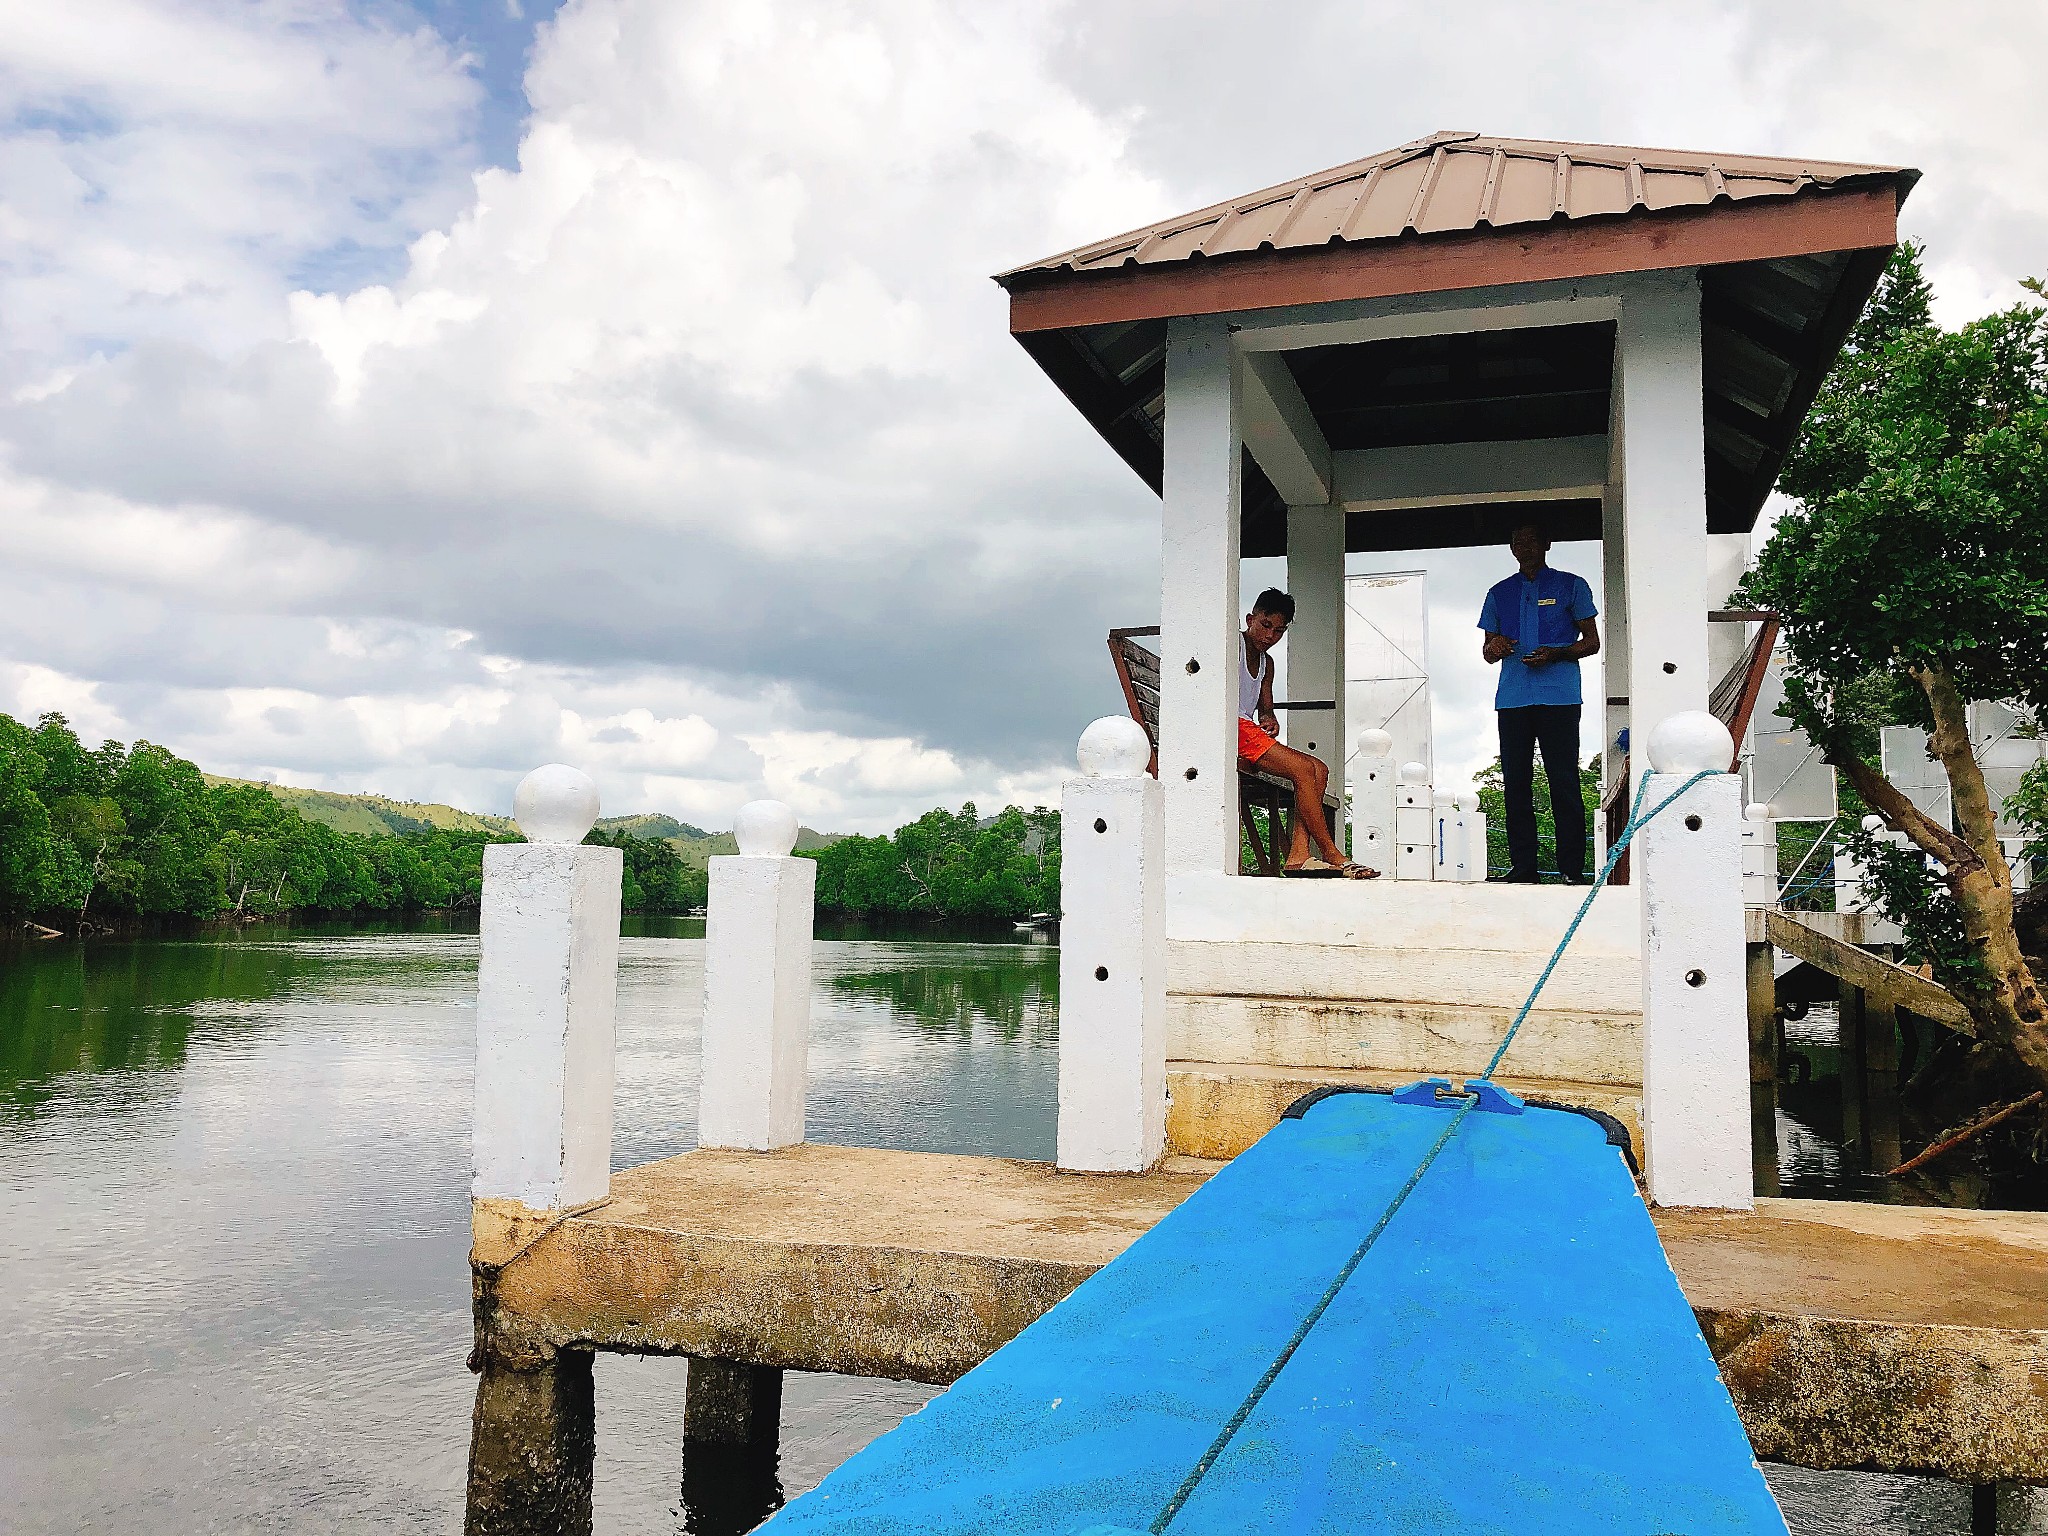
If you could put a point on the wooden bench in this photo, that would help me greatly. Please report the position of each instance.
(1137, 669)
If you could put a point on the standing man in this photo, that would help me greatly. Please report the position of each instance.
(1538, 624)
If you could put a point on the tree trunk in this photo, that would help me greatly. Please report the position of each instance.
(2009, 1009)
(2014, 1010)
(92, 881)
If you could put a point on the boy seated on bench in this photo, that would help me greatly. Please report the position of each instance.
(1258, 752)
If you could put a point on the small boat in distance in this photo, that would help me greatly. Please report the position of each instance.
(1038, 922)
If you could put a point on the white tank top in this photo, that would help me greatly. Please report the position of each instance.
(1248, 685)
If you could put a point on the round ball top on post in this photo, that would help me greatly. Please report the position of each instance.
(1873, 823)
(555, 804)
(1691, 742)
(1756, 812)
(1375, 743)
(1114, 747)
(765, 829)
(1415, 773)
(1468, 800)
(1444, 800)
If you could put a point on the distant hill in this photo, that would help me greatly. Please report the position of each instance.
(699, 850)
(373, 814)
(651, 826)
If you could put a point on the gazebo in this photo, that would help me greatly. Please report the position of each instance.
(1400, 352)
(1407, 352)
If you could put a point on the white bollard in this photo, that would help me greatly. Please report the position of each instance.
(1372, 802)
(757, 986)
(1695, 1022)
(1759, 857)
(1112, 956)
(1460, 837)
(547, 984)
(1414, 829)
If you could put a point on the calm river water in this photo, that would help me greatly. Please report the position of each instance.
(234, 1284)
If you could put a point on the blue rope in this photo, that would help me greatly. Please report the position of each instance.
(1638, 819)
(1315, 1313)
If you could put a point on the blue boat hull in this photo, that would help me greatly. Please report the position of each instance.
(1512, 1355)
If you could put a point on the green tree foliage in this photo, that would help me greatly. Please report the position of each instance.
(38, 868)
(947, 864)
(1911, 576)
(137, 832)
(656, 878)
(1907, 893)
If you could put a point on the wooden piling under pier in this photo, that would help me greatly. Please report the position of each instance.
(1896, 1338)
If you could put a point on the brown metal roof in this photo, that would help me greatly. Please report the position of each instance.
(1788, 252)
(1456, 181)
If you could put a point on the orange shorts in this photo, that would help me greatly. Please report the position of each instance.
(1252, 740)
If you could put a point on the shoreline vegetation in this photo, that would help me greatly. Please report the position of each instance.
(133, 838)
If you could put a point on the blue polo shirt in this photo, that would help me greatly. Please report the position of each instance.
(1532, 611)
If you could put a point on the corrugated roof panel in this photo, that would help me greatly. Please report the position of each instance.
(1467, 182)
(1178, 244)
(1384, 212)
(1674, 189)
(1453, 201)
(1527, 193)
(1741, 187)
(1320, 219)
(1597, 189)
(1249, 228)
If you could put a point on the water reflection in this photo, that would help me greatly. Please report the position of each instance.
(234, 1286)
(1017, 998)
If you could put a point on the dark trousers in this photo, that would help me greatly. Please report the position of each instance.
(1555, 728)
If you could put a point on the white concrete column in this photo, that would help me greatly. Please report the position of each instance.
(1460, 837)
(1373, 791)
(1663, 456)
(1315, 641)
(1200, 616)
(1112, 956)
(547, 986)
(1612, 712)
(757, 986)
(1414, 825)
(1759, 857)
(1695, 1020)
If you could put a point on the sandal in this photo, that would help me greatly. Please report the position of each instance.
(1315, 868)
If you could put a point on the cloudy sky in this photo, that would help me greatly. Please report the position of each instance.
(397, 396)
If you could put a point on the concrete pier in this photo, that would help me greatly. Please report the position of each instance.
(532, 1446)
(1893, 1338)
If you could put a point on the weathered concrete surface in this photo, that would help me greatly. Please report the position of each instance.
(1404, 1036)
(1219, 1108)
(873, 1263)
(532, 1448)
(1890, 1337)
(727, 1402)
(1406, 941)
(1878, 1336)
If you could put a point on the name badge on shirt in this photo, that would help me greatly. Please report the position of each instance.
(1546, 602)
